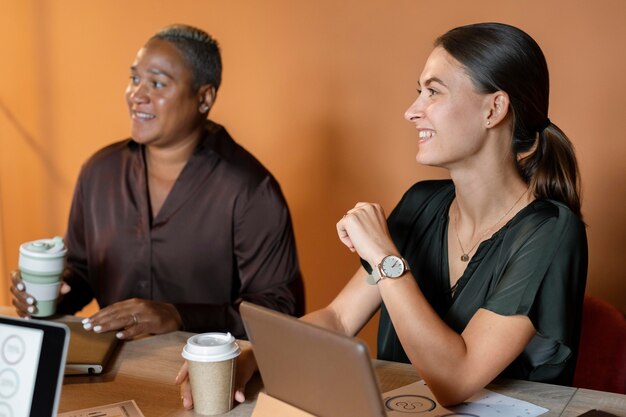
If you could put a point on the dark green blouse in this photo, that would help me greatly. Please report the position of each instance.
(535, 265)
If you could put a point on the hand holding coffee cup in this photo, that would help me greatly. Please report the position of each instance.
(41, 264)
(244, 371)
(212, 360)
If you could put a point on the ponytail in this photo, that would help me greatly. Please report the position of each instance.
(551, 169)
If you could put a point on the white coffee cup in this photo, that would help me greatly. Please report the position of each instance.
(41, 265)
(212, 362)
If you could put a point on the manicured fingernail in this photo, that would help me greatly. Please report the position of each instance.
(30, 300)
(87, 326)
(119, 335)
(20, 286)
(85, 321)
(31, 309)
(97, 329)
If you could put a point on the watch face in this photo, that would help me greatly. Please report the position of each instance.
(392, 266)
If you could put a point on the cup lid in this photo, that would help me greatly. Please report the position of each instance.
(44, 248)
(211, 347)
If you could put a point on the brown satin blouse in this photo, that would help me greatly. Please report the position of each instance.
(223, 235)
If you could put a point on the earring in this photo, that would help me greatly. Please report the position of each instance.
(488, 122)
(204, 108)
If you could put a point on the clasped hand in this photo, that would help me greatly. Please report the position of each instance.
(364, 230)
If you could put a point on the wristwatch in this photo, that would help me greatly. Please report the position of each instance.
(391, 266)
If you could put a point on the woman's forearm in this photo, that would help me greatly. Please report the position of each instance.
(326, 318)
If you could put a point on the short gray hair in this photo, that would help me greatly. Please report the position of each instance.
(200, 51)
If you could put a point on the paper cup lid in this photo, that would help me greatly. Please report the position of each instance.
(44, 248)
(211, 347)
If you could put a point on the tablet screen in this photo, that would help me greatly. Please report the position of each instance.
(32, 357)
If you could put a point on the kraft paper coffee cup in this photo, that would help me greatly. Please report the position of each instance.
(212, 360)
(41, 265)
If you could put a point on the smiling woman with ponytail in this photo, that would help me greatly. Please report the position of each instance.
(483, 274)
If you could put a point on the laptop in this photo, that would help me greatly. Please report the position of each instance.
(89, 352)
(32, 359)
(316, 370)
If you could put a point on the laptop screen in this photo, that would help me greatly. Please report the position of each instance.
(32, 358)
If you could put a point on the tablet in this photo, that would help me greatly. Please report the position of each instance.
(32, 359)
(316, 370)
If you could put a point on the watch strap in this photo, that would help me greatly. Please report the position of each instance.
(374, 277)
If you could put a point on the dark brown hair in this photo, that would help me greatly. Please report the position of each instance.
(500, 57)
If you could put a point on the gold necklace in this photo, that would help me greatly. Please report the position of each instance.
(465, 255)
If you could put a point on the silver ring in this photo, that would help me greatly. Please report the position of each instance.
(135, 320)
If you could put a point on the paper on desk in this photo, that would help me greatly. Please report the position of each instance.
(123, 409)
(416, 398)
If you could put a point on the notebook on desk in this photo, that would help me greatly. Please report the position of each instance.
(32, 357)
(89, 352)
(316, 370)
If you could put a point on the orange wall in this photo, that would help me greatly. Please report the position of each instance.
(316, 90)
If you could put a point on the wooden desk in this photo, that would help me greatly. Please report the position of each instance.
(586, 399)
(144, 370)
